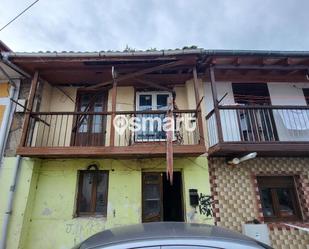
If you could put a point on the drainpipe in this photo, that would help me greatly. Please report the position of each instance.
(4, 131)
(6, 122)
(8, 211)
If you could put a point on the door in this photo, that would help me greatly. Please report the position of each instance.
(150, 101)
(161, 201)
(89, 130)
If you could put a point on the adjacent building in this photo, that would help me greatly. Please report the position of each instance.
(85, 166)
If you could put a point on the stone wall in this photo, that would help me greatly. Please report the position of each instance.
(237, 201)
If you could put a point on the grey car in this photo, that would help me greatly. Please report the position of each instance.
(169, 235)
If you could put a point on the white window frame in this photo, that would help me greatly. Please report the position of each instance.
(154, 95)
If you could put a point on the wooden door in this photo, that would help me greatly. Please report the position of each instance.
(152, 197)
(89, 130)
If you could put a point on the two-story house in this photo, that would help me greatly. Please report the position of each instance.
(93, 151)
(84, 165)
(258, 134)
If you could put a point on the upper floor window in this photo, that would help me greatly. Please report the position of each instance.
(92, 192)
(150, 101)
(279, 198)
(251, 93)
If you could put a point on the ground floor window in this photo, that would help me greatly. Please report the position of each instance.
(279, 198)
(92, 193)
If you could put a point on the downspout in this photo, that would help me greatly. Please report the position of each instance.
(6, 121)
(8, 211)
(4, 132)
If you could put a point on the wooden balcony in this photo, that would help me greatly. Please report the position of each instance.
(267, 130)
(93, 134)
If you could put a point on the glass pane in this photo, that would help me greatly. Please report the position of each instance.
(145, 102)
(285, 202)
(84, 102)
(152, 208)
(101, 204)
(97, 124)
(152, 177)
(83, 127)
(162, 101)
(85, 197)
(267, 202)
(152, 192)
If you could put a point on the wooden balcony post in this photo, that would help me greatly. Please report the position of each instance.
(114, 96)
(33, 87)
(197, 100)
(216, 103)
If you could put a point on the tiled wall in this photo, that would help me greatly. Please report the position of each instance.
(236, 198)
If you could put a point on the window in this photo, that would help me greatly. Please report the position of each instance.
(254, 124)
(92, 192)
(279, 198)
(150, 101)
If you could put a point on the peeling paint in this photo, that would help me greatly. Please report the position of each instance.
(46, 212)
(53, 224)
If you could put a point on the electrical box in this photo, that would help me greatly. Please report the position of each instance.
(258, 232)
(19, 108)
(193, 197)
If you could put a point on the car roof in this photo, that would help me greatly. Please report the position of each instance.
(162, 230)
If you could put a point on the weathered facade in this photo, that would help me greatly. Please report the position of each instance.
(80, 173)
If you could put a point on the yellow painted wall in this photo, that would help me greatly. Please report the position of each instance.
(47, 193)
(55, 100)
(4, 90)
(2, 110)
(4, 93)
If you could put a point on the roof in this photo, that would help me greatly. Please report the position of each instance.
(4, 47)
(162, 230)
(91, 68)
(167, 52)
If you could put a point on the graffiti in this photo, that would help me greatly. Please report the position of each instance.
(83, 229)
(205, 205)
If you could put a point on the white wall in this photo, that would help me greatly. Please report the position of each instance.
(290, 94)
(280, 94)
(230, 128)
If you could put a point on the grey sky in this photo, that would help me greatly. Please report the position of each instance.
(94, 25)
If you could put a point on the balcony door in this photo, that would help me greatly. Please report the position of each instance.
(150, 101)
(89, 130)
(254, 124)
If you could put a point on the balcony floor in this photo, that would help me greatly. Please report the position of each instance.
(229, 149)
(134, 151)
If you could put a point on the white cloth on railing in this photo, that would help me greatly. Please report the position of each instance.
(294, 119)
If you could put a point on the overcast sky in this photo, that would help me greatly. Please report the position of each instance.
(96, 25)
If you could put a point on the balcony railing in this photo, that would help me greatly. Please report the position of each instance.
(77, 129)
(259, 124)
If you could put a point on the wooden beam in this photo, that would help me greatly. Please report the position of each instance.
(265, 67)
(33, 88)
(216, 103)
(154, 85)
(236, 76)
(263, 149)
(197, 101)
(134, 151)
(142, 72)
(114, 97)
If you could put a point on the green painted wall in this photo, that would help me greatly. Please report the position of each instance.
(23, 200)
(50, 208)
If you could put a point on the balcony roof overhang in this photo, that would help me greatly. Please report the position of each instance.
(91, 68)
